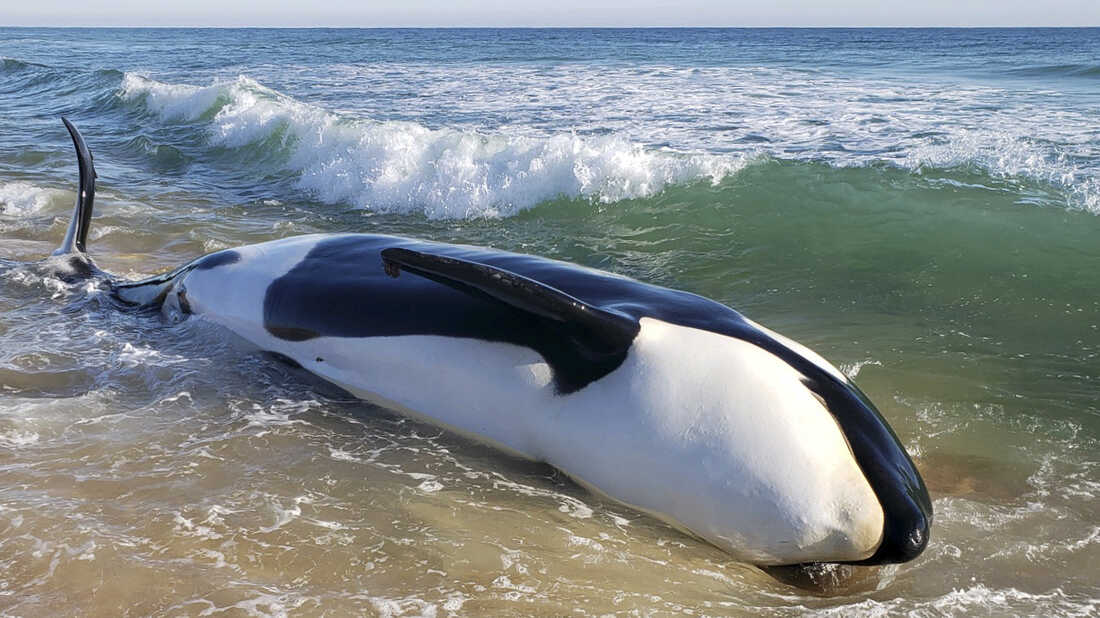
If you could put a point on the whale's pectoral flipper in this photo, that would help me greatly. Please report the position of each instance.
(615, 330)
(600, 336)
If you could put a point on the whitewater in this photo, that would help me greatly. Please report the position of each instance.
(500, 168)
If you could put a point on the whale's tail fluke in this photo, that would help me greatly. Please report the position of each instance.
(77, 236)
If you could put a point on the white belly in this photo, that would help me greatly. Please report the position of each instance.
(709, 433)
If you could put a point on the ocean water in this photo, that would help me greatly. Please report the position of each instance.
(922, 207)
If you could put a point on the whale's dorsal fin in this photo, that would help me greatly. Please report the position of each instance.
(77, 235)
(602, 332)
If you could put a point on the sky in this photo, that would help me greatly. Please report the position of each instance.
(549, 13)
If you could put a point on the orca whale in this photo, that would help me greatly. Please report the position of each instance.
(660, 399)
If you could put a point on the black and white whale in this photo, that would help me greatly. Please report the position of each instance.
(660, 399)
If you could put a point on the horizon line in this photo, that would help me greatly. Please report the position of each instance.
(681, 27)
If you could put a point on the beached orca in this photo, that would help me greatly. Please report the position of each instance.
(666, 401)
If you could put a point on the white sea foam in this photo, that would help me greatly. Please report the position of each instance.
(285, 515)
(852, 370)
(31, 279)
(188, 527)
(20, 198)
(131, 356)
(406, 167)
(386, 607)
(787, 113)
(578, 131)
(978, 598)
(1005, 155)
(566, 504)
(16, 438)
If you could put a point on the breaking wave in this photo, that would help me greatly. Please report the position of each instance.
(405, 167)
(20, 198)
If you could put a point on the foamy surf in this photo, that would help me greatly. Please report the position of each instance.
(21, 198)
(404, 167)
(1005, 156)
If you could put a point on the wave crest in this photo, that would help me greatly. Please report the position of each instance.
(406, 167)
(1005, 156)
(21, 198)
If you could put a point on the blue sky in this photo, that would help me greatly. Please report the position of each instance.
(432, 13)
